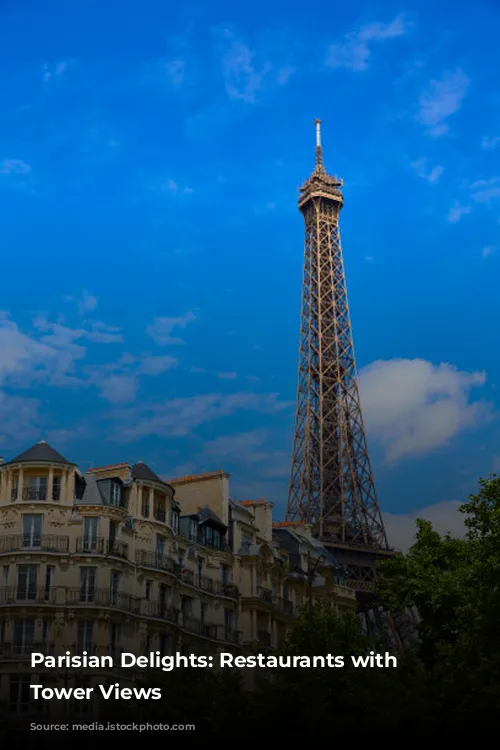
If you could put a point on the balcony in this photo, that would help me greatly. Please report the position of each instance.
(88, 596)
(25, 649)
(264, 638)
(266, 595)
(229, 635)
(158, 561)
(187, 576)
(161, 611)
(30, 543)
(117, 549)
(192, 624)
(218, 587)
(100, 546)
(159, 515)
(285, 605)
(26, 595)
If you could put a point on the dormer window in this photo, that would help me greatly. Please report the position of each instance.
(193, 530)
(175, 521)
(115, 493)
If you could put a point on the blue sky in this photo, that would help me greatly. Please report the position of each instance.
(152, 247)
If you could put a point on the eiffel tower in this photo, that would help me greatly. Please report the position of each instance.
(331, 484)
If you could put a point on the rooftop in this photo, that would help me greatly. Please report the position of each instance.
(40, 452)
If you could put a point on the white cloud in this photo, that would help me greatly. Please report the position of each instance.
(87, 303)
(175, 71)
(445, 517)
(431, 174)
(354, 51)
(248, 71)
(20, 419)
(487, 251)
(25, 358)
(51, 72)
(484, 191)
(227, 375)
(118, 389)
(414, 406)
(151, 365)
(456, 212)
(489, 142)
(14, 167)
(442, 99)
(161, 328)
(181, 416)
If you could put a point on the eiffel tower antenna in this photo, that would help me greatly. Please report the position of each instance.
(331, 483)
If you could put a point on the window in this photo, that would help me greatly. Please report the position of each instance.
(147, 593)
(186, 606)
(246, 541)
(24, 636)
(114, 637)
(216, 539)
(36, 489)
(228, 622)
(145, 506)
(84, 633)
(208, 536)
(32, 530)
(224, 574)
(164, 644)
(26, 582)
(6, 575)
(175, 520)
(19, 698)
(193, 530)
(45, 631)
(200, 567)
(115, 493)
(113, 528)
(90, 529)
(14, 490)
(49, 572)
(56, 489)
(163, 598)
(160, 547)
(87, 584)
(114, 586)
(203, 612)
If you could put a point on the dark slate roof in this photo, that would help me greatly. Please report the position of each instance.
(207, 514)
(91, 494)
(140, 470)
(41, 451)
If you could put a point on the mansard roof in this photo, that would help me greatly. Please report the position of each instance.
(140, 470)
(40, 453)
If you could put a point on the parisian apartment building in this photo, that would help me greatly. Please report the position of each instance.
(118, 559)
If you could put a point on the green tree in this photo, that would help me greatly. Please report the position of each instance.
(455, 585)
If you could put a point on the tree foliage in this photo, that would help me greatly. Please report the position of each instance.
(447, 680)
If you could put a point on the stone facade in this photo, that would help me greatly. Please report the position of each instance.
(118, 559)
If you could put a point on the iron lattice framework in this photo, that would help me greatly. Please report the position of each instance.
(331, 485)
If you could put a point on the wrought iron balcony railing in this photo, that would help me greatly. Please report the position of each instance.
(161, 610)
(31, 542)
(26, 595)
(93, 597)
(218, 587)
(265, 594)
(264, 637)
(285, 605)
(100, 546)
(155, 560)
(24, 648)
